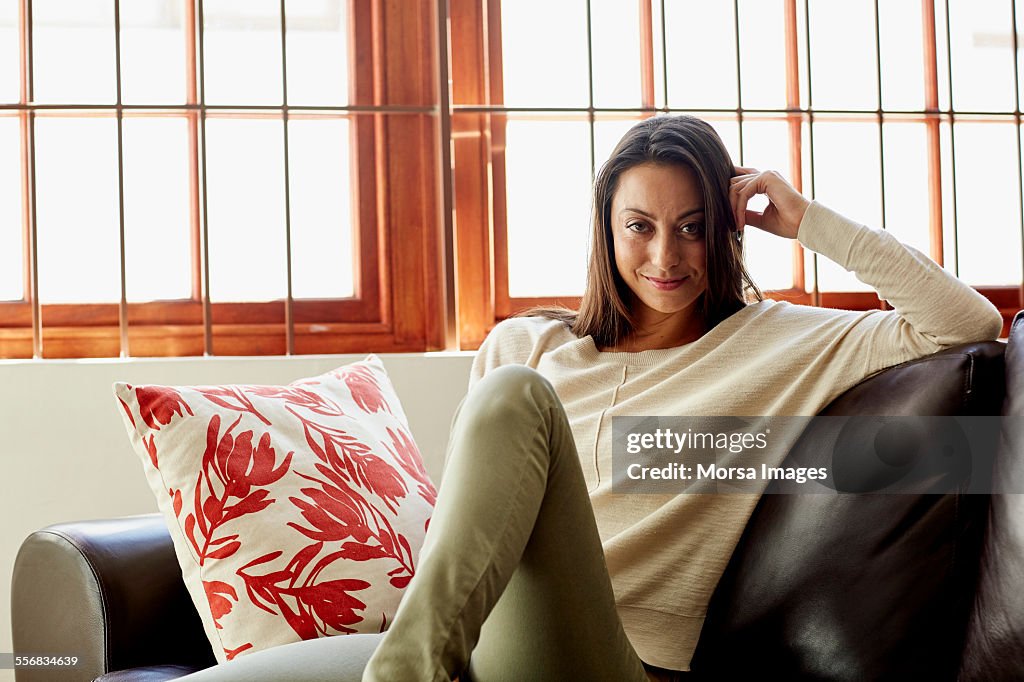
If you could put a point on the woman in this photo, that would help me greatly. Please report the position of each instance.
(664, 328)
(532, 563)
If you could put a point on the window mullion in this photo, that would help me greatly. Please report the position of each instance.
(646, 54)
(446, 198)
(932, 130)
(192, 114)
(28, 175)
(794, 120)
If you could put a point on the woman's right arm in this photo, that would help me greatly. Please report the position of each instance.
(932, 308)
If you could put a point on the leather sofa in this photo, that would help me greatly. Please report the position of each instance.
(822, 587)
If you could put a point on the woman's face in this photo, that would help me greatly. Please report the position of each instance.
(657, 222)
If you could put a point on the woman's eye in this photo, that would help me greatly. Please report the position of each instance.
(636, 227)
(692, 229)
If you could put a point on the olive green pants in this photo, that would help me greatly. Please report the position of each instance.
(511, 570)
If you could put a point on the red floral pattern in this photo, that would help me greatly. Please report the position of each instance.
(229, 654)
(231, 468)
(220, 605)
(408, 457)
(338, 513)
(159, 404)
(297, 511)
(366, 392)
(312, 609)
(232, 398)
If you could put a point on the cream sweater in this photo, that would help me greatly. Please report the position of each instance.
(665, 553)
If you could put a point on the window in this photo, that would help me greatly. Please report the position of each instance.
(307, 176)
(900, 114)
(182, 177)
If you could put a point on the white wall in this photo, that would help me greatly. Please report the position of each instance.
(65, 455)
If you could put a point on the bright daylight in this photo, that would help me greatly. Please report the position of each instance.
(491, 340)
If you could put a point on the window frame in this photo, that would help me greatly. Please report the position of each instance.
(432, 245)
(479, 165)
(393, 128)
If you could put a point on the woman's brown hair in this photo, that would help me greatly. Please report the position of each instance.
(672, 140)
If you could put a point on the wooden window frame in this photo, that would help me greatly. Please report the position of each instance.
(403, 120)
(395, 198)
(479, 122)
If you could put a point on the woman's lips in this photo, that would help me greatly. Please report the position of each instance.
(665, 284)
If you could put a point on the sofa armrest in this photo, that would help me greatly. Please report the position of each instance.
(107, 591)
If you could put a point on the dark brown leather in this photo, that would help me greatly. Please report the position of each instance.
(859, 587)
(109, 592)
(995, 643)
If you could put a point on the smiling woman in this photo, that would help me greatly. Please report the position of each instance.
(665, 241)
(659, 244)
(529, 533)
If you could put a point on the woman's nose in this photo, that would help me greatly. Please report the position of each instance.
(664, 252)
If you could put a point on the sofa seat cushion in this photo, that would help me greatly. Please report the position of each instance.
(152, 673)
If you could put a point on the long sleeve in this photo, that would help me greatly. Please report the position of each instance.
(932, 308)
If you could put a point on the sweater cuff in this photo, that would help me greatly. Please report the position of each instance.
(828, 233)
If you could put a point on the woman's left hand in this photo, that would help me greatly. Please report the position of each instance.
(786, 206)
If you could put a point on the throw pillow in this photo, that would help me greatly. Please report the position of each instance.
(296, 511)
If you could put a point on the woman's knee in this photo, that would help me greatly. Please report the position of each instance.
(510, 389)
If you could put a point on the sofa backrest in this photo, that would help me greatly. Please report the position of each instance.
(995, 638)
(867, 586)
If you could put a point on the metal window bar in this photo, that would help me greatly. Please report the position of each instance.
(952, 143)
(1016, 116)
(881, 116)
(122, 305)
(881, 129)
(590, 90)
(289, 321)
(816, 291)
(204, 230)
(739, 75)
